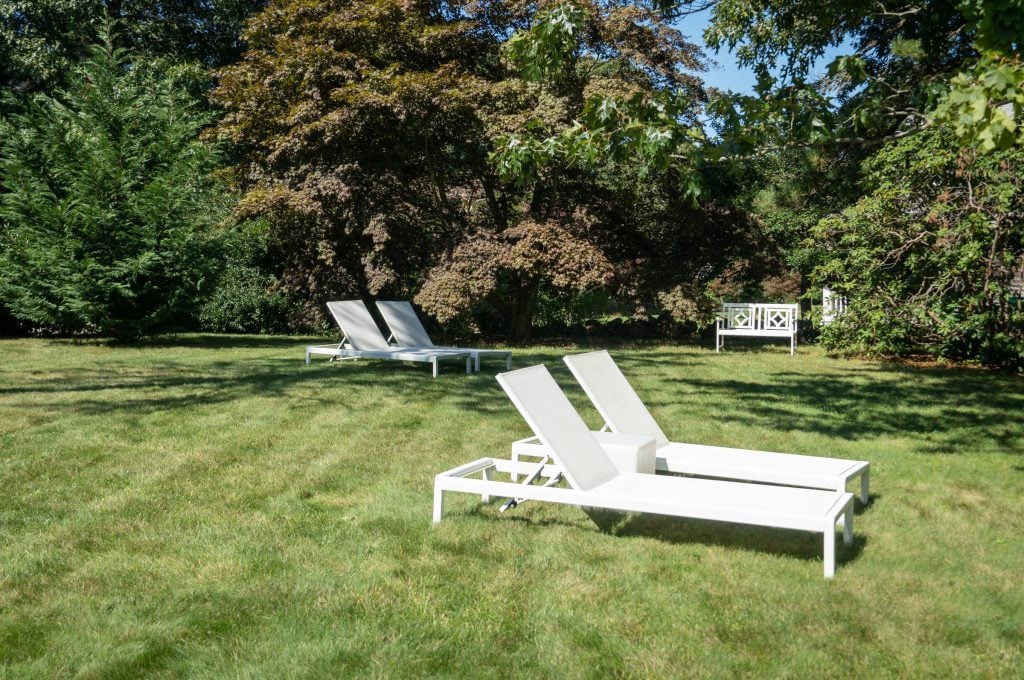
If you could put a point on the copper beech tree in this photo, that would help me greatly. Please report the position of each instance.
(463, 153)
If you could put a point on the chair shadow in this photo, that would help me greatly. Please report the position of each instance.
(680, 530)
(687, 531)
(860, 508)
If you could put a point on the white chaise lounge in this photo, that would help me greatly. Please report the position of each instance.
(407, 330)
(624, 414)
(595, 481)
(362, 339)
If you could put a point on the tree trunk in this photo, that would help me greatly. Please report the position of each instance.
(516, 307)
(520, 320)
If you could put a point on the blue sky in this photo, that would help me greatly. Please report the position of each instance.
(727, 75)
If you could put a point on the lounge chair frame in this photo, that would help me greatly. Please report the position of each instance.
(595, 482)
(407, 330)
(624, 413)
(362, 339)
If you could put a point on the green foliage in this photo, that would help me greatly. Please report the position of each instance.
(547, 50)
(927, 257)
(108, 200)
(986, 103)
(392, 150)
(649, 115)
(42, 40)
(246, 298)
(962, 57)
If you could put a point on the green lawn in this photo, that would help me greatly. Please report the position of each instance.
(209, 506)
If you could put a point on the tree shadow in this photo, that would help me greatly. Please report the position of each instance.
(944, 411)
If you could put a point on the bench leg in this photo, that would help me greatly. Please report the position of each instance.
(433, 365)
(864, 482)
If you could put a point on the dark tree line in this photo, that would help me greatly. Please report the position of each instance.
(232, 165)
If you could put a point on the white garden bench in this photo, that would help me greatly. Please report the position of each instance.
(832, 305)
(757, 319)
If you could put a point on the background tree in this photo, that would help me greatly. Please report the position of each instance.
(609, 96)
(41, 41)
(923, 234)
(916, 62)
(927, 257)
(395, 148)
(108, 198)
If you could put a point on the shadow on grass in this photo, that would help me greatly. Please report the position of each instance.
(944, 410)
(722, 534)
(145, 387)
(686, 531)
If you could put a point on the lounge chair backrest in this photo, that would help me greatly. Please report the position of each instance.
(560, 429)
(359, 327)
(404, 324)
(613, 396)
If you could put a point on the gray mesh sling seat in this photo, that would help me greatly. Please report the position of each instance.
(407, 330)
(362, 339)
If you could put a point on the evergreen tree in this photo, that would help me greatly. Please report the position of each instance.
(106, 200)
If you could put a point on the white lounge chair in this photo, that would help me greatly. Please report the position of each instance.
(595, 481)
(362, 339)
(408, 331)
(625, 414)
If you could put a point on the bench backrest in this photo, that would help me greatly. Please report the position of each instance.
(832, 305)
(758, 316)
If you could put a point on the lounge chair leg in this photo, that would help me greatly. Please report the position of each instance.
(486, 497)
(830, 550)
(508, 362)
(469, 360)
(476, 363)
(434, 364)
(438, 502)
(864, 477)
(848, 524)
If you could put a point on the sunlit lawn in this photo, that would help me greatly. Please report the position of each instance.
(209, 506)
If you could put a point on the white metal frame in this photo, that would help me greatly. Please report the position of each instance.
(407, 330)
(362, 339)
(625, 415)
(594, 480)
(757, 319)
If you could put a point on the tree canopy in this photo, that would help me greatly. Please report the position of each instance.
(484, 152)
(42, 40)
(508, 163)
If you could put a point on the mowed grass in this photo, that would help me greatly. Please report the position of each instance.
(208, 506)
